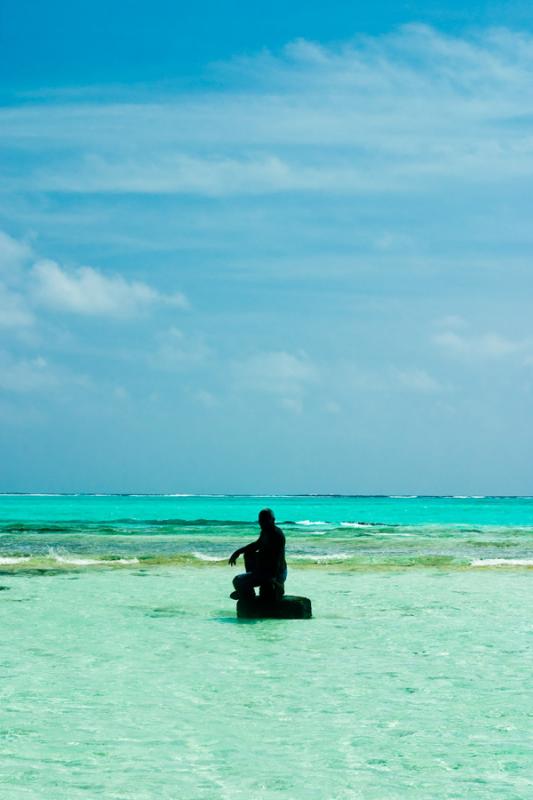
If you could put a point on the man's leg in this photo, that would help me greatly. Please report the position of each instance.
(244, 585)
(245, 582)
(271, 590)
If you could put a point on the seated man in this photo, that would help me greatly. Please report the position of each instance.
(264, 561)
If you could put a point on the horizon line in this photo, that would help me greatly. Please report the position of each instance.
(176, 495)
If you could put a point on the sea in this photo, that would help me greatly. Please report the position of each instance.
(125, 674)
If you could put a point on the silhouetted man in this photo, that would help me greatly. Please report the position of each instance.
(264, 561)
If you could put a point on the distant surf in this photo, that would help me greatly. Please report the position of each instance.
(87, 532)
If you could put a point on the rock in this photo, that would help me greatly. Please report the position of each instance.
(289, 607)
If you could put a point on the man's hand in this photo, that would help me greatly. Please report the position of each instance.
(233, 558)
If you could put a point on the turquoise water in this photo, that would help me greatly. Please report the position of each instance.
(44, 531)
(125, 675)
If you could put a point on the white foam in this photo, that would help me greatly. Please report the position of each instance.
(355, 525)
(502, 562)
(206, 557)
(321, 559)
(6, 560)
(90, 562)
(311, 522)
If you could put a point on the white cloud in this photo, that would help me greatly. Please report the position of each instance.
(206, 399)
(35, 374)
(25, 375)
(176, 351)
(480, 346)
(13, 255)
(277, 373)
(415, 380)
(292, 403)
(451, 321)
(14, 311)
(88, 291)
(28, 281)
(182, 173)
(332, 407)
(120, 392)
(389, 378)
(393, 112)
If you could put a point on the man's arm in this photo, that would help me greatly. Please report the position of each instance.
(246, 549)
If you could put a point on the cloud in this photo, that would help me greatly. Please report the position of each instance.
(480, 346)
(182, 173)
(26, 375)
(451, 321)
(415, 380)
(14, 311)
(332, 407)
(175, 351)
(278, 373)
(88, 291)
(36, 374)
(13, 255)
(205, 398)
(390, 113)
(387, 379)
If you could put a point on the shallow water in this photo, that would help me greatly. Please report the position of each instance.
(125, 674)
(128, 684)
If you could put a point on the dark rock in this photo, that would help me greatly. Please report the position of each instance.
(289, 607)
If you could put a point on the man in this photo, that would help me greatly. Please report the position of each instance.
(264, 561)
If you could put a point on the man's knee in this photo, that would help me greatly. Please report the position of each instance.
(243, 581)
(244, 585)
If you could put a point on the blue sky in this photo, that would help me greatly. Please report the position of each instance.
(253, 248)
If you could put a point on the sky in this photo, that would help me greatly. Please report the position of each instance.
(259, 247)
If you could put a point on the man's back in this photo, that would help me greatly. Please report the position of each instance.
(271, 551)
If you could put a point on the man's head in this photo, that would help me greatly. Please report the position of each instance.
(266, 518)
